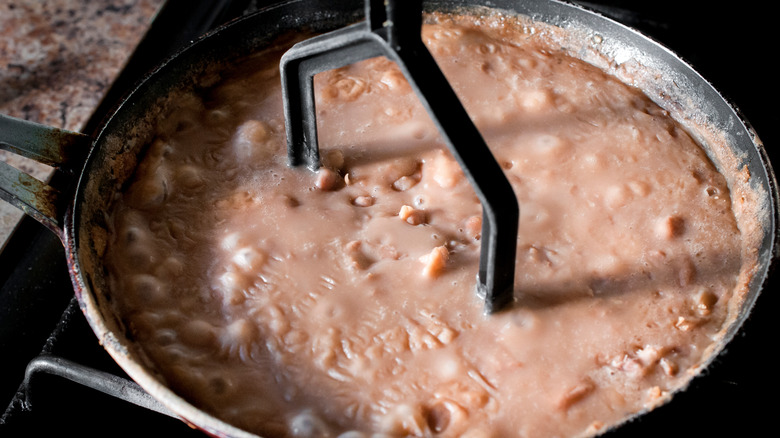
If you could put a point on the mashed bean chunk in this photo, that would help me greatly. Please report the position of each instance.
(341, 303)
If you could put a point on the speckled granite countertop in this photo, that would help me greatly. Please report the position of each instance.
(57, 59)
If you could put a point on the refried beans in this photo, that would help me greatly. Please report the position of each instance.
(342, 303)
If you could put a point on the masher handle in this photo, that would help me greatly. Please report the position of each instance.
(393, 29)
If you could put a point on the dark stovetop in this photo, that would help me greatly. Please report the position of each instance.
(728, 46)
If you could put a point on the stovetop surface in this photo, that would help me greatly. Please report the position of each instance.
(731, 47)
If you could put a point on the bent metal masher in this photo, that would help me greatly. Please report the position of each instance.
(393, 29)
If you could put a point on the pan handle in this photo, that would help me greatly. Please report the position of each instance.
(59, 148)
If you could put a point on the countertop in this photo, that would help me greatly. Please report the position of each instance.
(57, 60)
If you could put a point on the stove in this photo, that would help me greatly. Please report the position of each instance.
(43, 331)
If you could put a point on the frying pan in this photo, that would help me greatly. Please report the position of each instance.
(76, 211)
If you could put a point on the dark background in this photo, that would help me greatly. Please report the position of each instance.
(733, 45)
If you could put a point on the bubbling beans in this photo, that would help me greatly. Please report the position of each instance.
(341, 303)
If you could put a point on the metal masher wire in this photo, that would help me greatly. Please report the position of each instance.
(393, 29)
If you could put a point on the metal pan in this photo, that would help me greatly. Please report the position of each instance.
(75, 212)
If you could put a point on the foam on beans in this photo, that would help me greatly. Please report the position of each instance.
(341, 303)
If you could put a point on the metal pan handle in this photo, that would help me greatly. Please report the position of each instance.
(59, 148)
